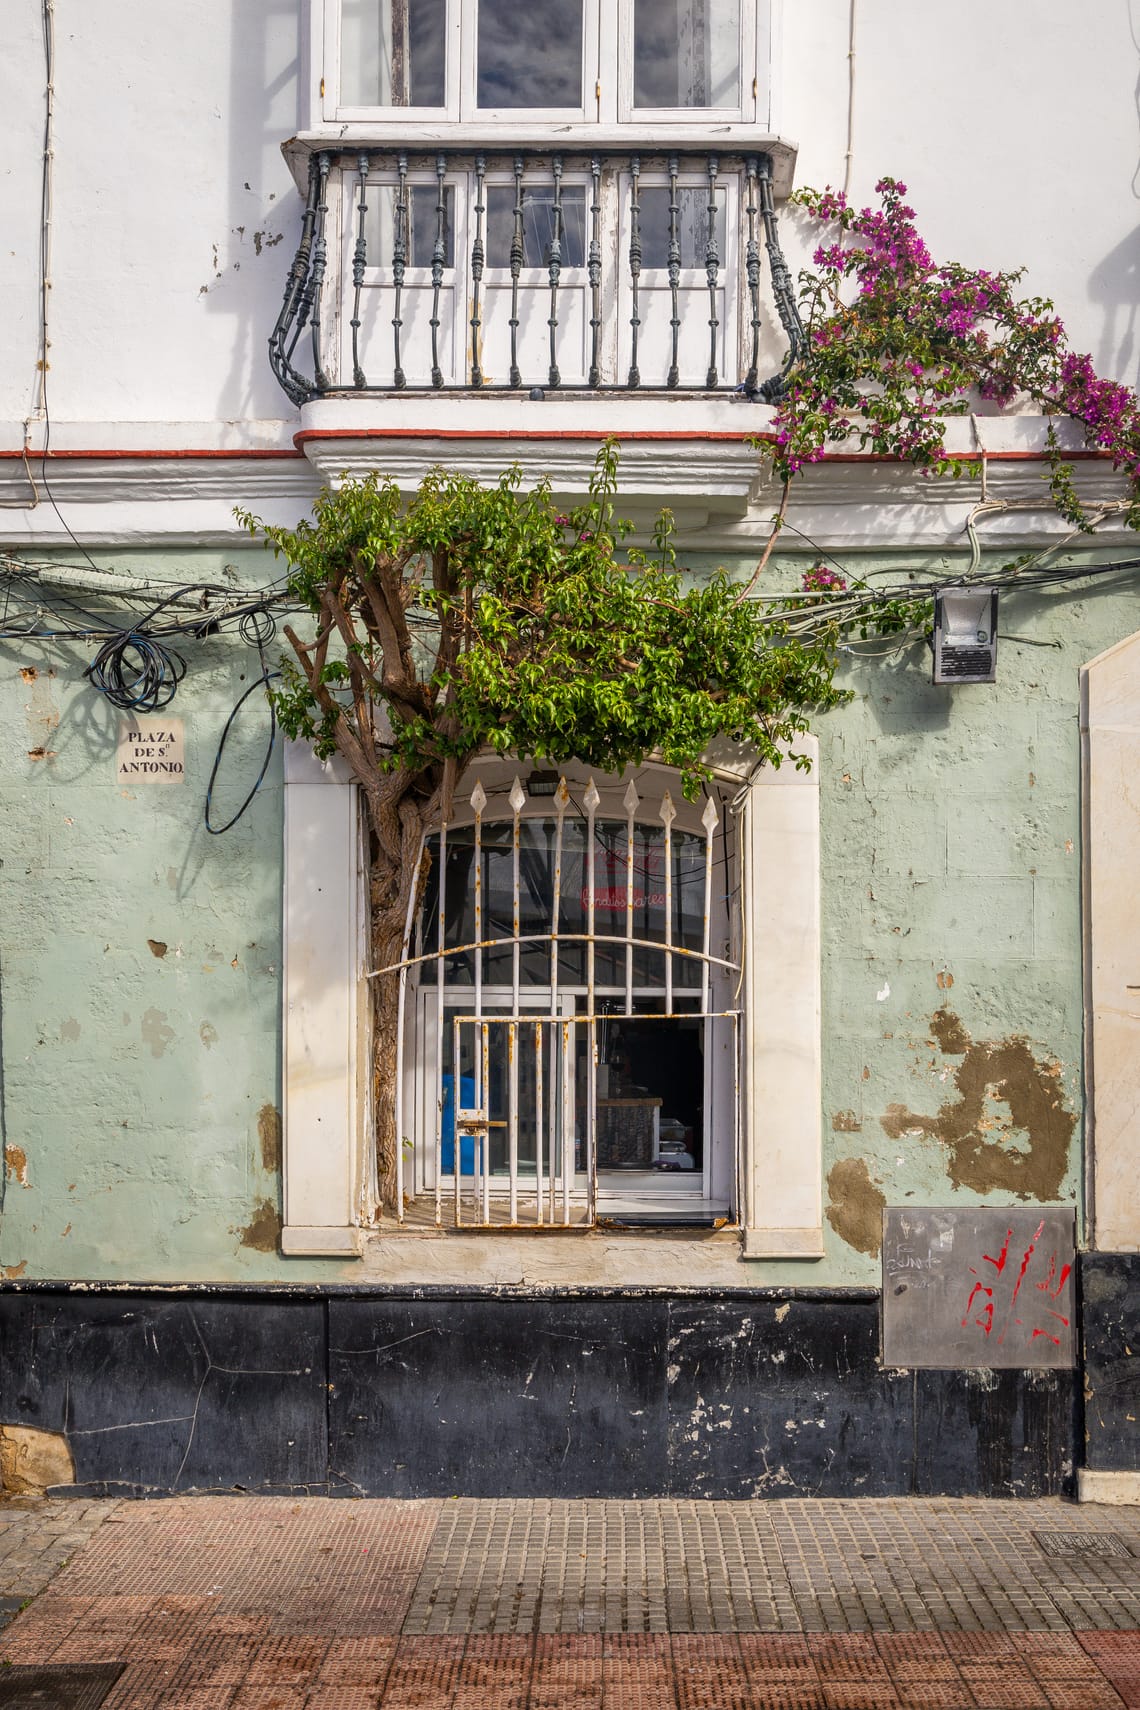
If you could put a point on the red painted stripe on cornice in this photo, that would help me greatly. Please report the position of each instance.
(152, 455)
(295, 454)
(966, 456)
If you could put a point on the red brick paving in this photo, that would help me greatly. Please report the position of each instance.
(229, 1606)
(628, 1671)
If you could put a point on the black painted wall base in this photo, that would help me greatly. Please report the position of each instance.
(381, 1394)
(1110, 1336)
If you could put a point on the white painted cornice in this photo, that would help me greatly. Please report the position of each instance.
(690, 453)
(134, 497)
(693, 454)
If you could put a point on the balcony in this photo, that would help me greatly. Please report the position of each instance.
(537, 273)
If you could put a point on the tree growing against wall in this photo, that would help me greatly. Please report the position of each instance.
(470, 618)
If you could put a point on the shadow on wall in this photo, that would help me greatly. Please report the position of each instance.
(1114, 285)
(251, 259)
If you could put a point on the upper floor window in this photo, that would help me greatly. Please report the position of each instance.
(591, 61)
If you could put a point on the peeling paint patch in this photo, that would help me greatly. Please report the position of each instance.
(16, 1164)
(11, 1272)
(1006, 1072)
(156, 947)
(41, 753)
(855, 1206)
(28, 673)
(208, 1034)
(263, 1231)
(846, 1122)
(953, 1040)
(269, 1134)
(782, 1311)
(156, 1031)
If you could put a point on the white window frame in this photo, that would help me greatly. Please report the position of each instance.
(607, 100)
(751, 80)
(329, 1184)
(470, 112)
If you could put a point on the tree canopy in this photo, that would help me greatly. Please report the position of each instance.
(470, 617)
(467, 618)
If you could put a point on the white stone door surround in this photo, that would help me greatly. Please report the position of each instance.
(1110, 768)
(1110, 742)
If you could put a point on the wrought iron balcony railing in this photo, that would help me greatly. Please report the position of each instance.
(462, 270)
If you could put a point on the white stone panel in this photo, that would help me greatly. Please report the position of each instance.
(1111, 735)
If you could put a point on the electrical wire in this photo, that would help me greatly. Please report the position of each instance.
(136, 672)
(849, 153)
(39, 396)
(44, 610)
(42, 406)
(257, 629)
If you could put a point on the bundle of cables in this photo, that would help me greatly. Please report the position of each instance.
(139, 673)
(136, 671)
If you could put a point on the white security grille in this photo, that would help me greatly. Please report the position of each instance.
(518, 1021)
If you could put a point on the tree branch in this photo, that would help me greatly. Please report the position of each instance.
(777, 525)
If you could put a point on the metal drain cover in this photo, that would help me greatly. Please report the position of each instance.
(77, 1686)
(1083, 1544)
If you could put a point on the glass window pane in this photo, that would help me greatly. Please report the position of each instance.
(537, 856)
(692, 225)
(537, 225)
(381, 211)
(530, 54)
(686, 53)
(392, 53)
(650, 1094)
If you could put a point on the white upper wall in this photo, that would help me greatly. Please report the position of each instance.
(174, 217)
(1014, 126)
(168, 179)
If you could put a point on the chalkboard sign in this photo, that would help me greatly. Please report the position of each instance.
(978, 1286)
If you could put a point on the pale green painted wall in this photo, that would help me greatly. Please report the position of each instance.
(133, 1084)
(951, 878)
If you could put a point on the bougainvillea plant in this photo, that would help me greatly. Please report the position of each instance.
(895, 344)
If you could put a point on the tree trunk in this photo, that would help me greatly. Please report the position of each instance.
(389, 922)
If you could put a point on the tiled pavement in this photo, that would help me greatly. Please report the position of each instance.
(243, 1603)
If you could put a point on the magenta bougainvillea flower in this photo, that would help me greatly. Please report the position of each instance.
(896, 343)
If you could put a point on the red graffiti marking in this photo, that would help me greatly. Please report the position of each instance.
(1051, 1286)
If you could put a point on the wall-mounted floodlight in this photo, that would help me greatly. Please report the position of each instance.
(965, 635)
